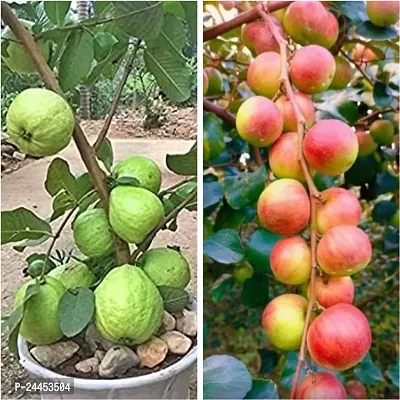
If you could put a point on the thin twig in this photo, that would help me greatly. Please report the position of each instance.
(362, 72)
(87, 153)
(128, 68)
(257, 156)
(219, 111)
(375, 114)
(172, 215)
(176, 185)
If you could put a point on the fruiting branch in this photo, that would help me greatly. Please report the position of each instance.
(241, 19)
(314, 193)
(375, 114)
(128, 68)
(362, 72)
(86, 151)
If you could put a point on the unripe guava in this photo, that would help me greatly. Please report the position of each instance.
(40, 122)
(145, 170)
(75, 274)
(134, 212)
(129, 308)
(166, 267)
(18, 59)
(92, 233)
(40, 324)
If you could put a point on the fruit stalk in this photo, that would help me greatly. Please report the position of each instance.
(362, 72)
(241, 19)
(128, 68)
(87, 153)
(314, 193)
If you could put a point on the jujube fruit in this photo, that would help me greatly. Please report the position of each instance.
(383, 13)
(242, 272)
(339, 338)
(382, 131)
(321, 385)
(283, 321)
(259, 121)
(291, 260)
(343, 74)
(284, 207)
(344, 250)
(308, 22)
(215, 81)
(205, 83)
(341, 208)
(366, 144)
(330, 147)
(362, 54)
(330, 291)
(312, 69)
(263, 75)
(356, 390)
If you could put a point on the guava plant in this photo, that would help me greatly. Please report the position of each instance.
(301, 164)
(115, 209)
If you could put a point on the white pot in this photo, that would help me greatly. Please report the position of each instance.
(169, 383)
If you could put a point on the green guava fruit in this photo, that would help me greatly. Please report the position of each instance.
(166, 267)
(134, 212)
(17, 58)
(92, 233)
(40, 122)
(75, 274)
(40, 324)
(129, 307)
(145, 170)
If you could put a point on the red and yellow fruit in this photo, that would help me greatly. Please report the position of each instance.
(289, 118)
(383, 13)
(259, 121)
(341, 208)
(291, 260)
(283, 321)
(366, 144)
(312, 69)
(228, 5)
(214, 81)
(330, 291)
(343, 251)
(382, 132)
(343, 74)
(339, 338)
(362, 54)
(308, 22)
(205, 83)
(330, 147)
(284, 207)
(321, 385)
(356, 390)
(242, 272)
(264, 73)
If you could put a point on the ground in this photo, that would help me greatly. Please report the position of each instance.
(24, 187)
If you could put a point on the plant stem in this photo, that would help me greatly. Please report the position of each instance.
(241, 19)
(314, 193)
(128, 68)
(375, 114)
(176, 185)
(257, 156)
(87, 153)
(172, 215)
(362, 72)
(219, 111)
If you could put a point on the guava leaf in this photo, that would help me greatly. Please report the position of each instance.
(56, 11)
(224, 246)
(190, 8)
(103, 43)
(183, 164)
(225, 377)
(263, 389)
(75, 310)
(174, 7)
(105, 154)
(175, 299)
(20, 224)
(60, 179)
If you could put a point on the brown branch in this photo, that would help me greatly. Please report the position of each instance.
(241, 19)
(362, 72)
(84, 148)
(176, 185)
(219, 112)
(314, 193)
(257, 156)
(128, 68)
(375, 114)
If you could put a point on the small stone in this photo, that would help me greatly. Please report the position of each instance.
(99, 354)
(19, 156)
(95, 340)
(187, 323)
(51, 356)
(88, 366)
(7, 148)
(169, 322)
(177, 342)
(117, 361)
(152, 352)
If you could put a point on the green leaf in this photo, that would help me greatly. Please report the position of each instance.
(183, 164)
(263, 389)
(385, 183)
(367, 372)
(144, 19)
(381, 97)
(269, 360)
(362, 171)
(60, 179)
(213, 137)
(224, 246)
(213, 193)
(75, 310)
(348, 112)
(259, 249)
(228, 218)
(244, 189)
(175, 8)
(393, 373)
(83, 185)
(61, 203)
(370, 31)
(56, 11)
(391, 241)
(175, 299)
(354, 10)
(102, 8)
(221, 286)
(289, 370)
(30, 243)
(105, 154)
(191, 18)
(225, 377)
(76, 60)
(323, 182)
(255, 291)
(20, 224)
(102, 45)
(383, 210)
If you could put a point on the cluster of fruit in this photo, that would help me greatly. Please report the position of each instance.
(340, 336)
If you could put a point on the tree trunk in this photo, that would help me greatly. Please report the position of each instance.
(84, 107)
